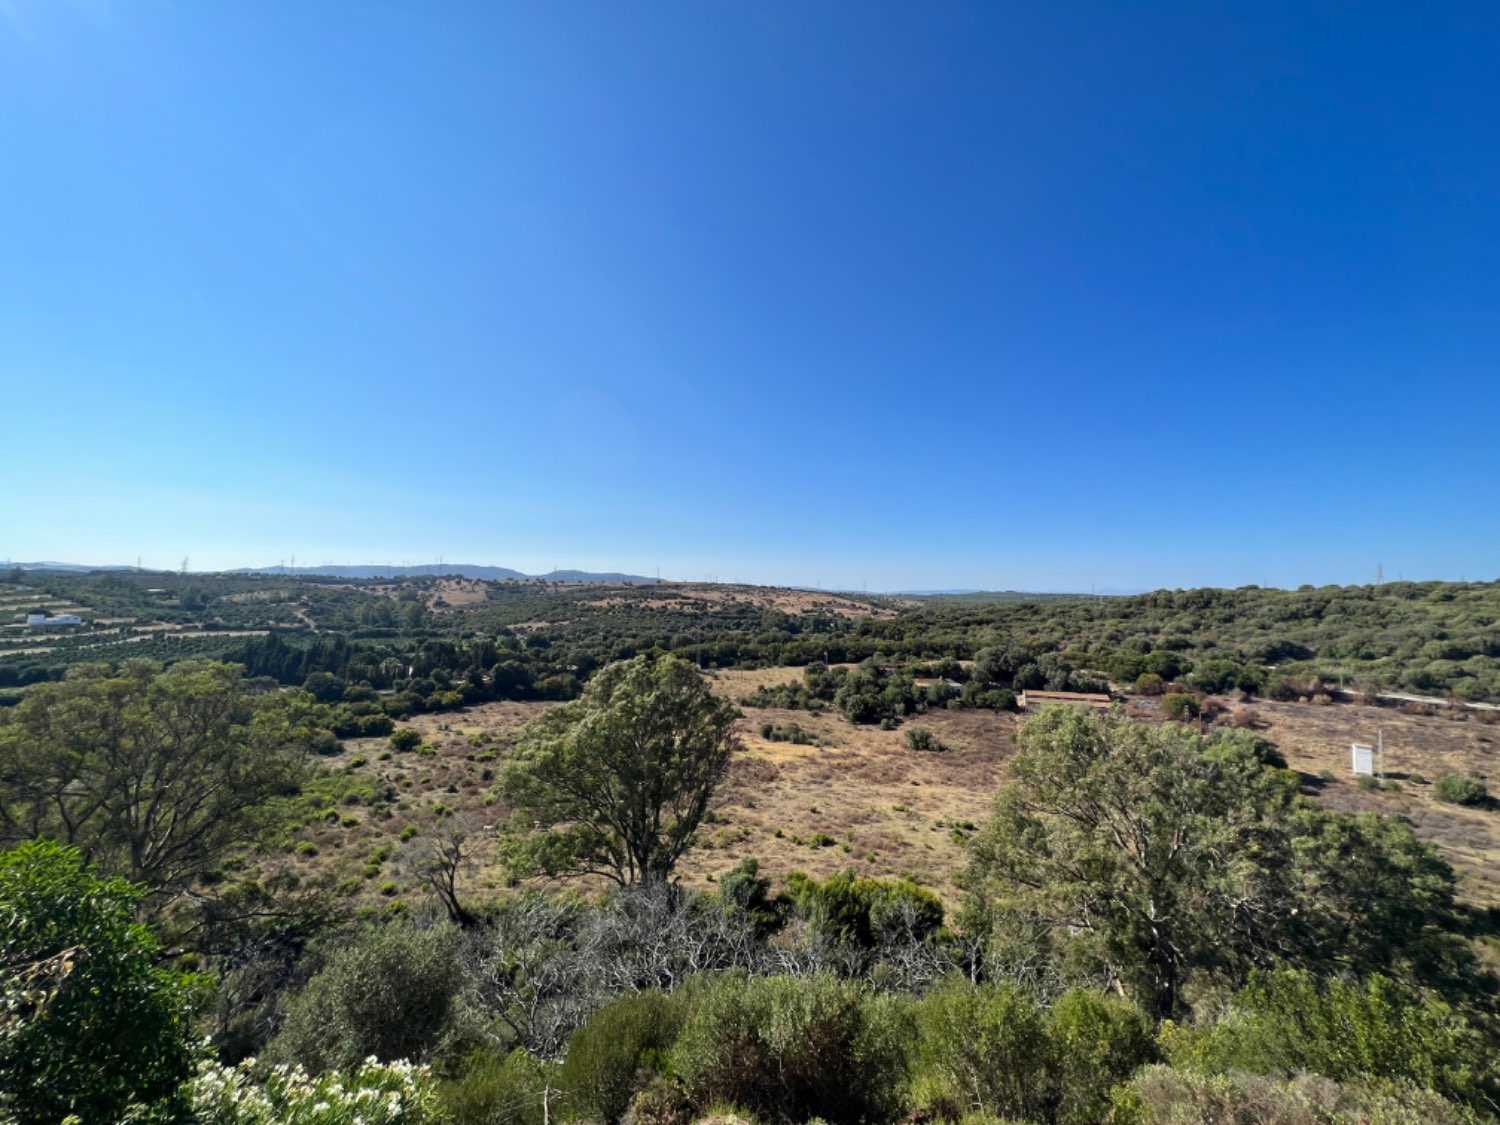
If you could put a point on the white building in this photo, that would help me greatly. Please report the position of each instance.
(43, 621)
(1364, 760)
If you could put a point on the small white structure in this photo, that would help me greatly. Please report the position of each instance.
(41, 620)
(1364, 760)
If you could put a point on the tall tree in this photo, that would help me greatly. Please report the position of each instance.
(617, 782)
(1157, 854)
(151, 775)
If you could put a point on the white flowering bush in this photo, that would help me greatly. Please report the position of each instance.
(375, 1093)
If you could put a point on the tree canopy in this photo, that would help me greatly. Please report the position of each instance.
(616, 783)
(1157, 855)
(151, 774)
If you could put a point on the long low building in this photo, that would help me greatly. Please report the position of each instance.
(41, 620)
(1099, 701)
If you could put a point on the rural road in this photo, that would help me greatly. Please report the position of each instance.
(1434, 700)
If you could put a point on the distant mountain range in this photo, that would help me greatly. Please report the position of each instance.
(462, 570)
(571, 577)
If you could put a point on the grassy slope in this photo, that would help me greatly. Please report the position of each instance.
(891, 811)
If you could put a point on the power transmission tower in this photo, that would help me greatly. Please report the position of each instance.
(1379, 574)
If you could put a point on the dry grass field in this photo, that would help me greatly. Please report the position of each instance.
(856, 796)
(713, 596)
(1316, 741)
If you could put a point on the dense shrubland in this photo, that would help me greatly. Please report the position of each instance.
(1157, 927)
(387, 650)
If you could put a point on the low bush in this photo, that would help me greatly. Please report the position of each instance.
(1457, 789)
(405, 740)
(607, 1055)
(344, 1014)
(496, 1090)
(789, 1048)
(1163, 1095)
(1179, 706)
(920, 738)
(1284, 1023)
(848, 910)
(992, 1049)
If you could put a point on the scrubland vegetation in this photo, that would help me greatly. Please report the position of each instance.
(1156, 921)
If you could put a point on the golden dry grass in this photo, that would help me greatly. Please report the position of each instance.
(1316, 740)
(713, 596)
(890, 811)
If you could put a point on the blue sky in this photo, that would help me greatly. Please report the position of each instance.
(908, 295)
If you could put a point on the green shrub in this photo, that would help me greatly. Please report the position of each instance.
(496, 1091)
(794, 1048)
(1367, 782)
(89, 1024)
(991, 1049)
(387, 993)
(1416, 779)
(851, 910)
(1284, 1023)
(1179, 706)
(982, 1048)
(405, 740)
(1097, 1042)
(920, 738)
(607, 1053)
(1456, 789)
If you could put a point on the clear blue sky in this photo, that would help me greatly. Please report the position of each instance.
(913, 295)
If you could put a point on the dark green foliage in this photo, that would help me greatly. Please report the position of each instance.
(744, 892)
(388, 992)
(792, 1049)
(786, 732)
(1285, 1023)
(993, 1050)
(153, 774)
(89, 1024)
(1097, 1042)
(1456, 789)
(850, 910)
(405, 740)
(605, 1057)
(493, 1090)
(618, 782)
(1153, 855)
(1179, 706)
(920, 738)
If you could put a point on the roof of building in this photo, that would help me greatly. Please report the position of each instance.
(1087, 698)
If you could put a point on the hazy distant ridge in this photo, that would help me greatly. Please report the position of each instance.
(464, 570)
